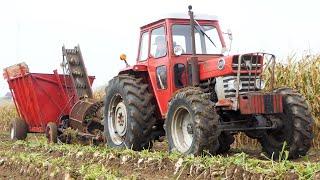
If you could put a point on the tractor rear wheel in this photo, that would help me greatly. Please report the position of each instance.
(129, 113)
(18, 129)
(294, 127)
(52, 132)
(192, 123)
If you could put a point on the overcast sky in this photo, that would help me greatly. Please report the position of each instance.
(34, 31)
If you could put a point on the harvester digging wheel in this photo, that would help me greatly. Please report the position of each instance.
(129, 113)
(192, 123)
(18, 129)
(294, 126)
(52, 132)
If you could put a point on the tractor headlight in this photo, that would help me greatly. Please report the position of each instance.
(233, 85)
(260, 84)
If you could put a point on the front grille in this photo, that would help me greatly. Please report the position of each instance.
(248, 85)
(253, 62)
(250, 69)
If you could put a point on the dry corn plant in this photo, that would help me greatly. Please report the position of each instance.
(99, 93)
(7, 112)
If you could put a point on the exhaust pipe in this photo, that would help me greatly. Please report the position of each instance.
(193, 66)
(193, 71)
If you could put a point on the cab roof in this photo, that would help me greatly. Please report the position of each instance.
(182, 16)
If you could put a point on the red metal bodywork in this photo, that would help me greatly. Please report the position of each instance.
(42, 98)
(139, 68)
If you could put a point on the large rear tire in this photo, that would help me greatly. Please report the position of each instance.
(129, 113)
(18, 129)
(192, 123)
(294, 126)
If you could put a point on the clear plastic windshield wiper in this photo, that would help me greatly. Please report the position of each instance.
(201, 30)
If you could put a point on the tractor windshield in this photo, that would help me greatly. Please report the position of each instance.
(181, 37)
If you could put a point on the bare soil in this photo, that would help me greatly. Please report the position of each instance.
(122, 166)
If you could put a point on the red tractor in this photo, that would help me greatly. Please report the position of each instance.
(182, 86)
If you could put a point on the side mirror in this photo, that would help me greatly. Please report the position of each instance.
(123, 57)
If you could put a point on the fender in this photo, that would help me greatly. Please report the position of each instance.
(134, 68)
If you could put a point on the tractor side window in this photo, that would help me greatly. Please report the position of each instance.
(180, 78)
(161, 77)
(158, 43)
(143, 54)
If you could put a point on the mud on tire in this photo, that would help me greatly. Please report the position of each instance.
(129, 97)
(295, 127)
(201, 131)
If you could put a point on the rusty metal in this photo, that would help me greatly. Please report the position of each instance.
(193, 70)
(260, 103)
(225, 103)
(84, 112)
(238, 81)
(262, 61)
(76, 68)
(193, 41)
(193, 66)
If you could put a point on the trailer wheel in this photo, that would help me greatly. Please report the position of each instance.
(294, 126)
(129, 113)
(52, 132)
(18, 129)
(192, 123)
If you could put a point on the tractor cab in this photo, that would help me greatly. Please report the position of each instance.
(166, 45)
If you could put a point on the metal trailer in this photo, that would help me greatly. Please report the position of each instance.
(51, 103)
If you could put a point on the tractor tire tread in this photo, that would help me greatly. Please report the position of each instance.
(141, 109)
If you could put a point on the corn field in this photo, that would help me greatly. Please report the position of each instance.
(7, 112)
(300, 74)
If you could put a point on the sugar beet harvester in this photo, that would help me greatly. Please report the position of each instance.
(51, 103)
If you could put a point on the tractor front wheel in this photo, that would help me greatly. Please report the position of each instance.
(192, 123)
(18, 129)
(294, 128)
(129, 113)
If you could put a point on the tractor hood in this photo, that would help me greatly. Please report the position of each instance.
(215, 66)
(227, 65)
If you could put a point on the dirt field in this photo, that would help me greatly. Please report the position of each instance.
(35, 159)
